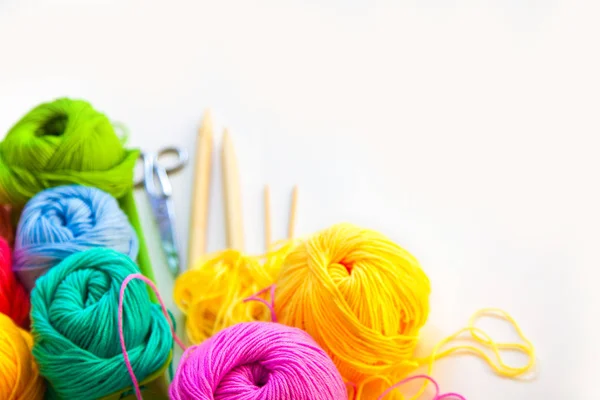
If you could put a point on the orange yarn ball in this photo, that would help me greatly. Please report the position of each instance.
(14, 300)
(19, 373)
(363, 299)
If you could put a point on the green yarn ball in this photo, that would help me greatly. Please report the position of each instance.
(63, 142)
(74, 316)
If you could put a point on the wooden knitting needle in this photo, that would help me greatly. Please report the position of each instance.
(293, 207)
(267, 218)
(201, 190)
(232, 195)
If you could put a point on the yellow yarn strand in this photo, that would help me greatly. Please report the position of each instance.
(488, 349)
(211, 295)
(19, 376)
(479, 336)
(485, 341)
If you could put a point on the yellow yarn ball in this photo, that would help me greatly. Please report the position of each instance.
(19, 377)
(212, 294)
(362, 298)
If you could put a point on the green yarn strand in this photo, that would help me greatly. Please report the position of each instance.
(75, 326)
(63, 142)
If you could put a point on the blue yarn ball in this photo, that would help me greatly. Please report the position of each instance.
(64, 220)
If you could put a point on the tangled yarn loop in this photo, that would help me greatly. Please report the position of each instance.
(64, 220)
(257, 360)
(212, 294)
(361, 297)
(63, 142)
(19, 376)
(14, 301)
(74, 319)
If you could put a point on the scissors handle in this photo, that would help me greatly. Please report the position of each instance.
(165, 216)
(161, 187)
(156, 170)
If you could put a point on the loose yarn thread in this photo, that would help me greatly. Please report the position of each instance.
(211, 295)
(63, 142)
(64, 220)
(130, 370)
(472, 333)
(14, 300)
(19, 376)
(480, 337)
(75, 325)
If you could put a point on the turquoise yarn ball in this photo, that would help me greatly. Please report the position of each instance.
(64, 220)
(74, 315)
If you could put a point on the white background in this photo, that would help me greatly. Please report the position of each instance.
(465, 130)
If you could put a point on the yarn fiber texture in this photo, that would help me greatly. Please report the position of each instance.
(257, 360)
(212, 294)
(14, 300)
(19, 376)
(63, 142)
(64, 220)
(74, 318)
(362, 298)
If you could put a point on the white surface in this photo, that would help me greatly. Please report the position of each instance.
(465, 130)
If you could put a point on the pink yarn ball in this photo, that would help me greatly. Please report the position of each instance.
(257, 360)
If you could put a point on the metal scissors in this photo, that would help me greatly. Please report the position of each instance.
(155, 180)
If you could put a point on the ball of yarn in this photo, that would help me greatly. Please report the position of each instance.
(212, 294)
(74, 319)
(19, 376)
(361, 297)
(257, 360)
(63, 142)
(14, 300)
(64, 220)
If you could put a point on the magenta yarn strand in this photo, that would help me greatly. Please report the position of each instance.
(437, 396)
(128, 279)
(270, 304)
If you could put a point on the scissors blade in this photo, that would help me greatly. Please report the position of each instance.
(164, 212)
